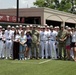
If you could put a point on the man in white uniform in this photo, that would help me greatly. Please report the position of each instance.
(3, 39)
(8, 36)
(44, 43)
(53, 35)
(1, 42)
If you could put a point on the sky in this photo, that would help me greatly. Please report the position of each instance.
(5, 4)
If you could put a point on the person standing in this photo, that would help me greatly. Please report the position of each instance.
(53, 35)
(9, 37)
(20, 29)
(35, 42)
(73, 45)
(16, 45)
(1, 42)
(4, 41)
(68, 46)
(44, 43)
(61, 37)
(28, 47)
(22, 47)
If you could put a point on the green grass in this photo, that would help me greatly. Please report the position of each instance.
(32, 67)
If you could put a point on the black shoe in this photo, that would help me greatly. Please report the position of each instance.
(37, 58)
(60, 58)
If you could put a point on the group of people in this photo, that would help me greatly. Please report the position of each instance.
(39, 42)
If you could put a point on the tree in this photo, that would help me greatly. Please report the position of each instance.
(46, 3)
(62, 5)
(65, 5)
(39, 3)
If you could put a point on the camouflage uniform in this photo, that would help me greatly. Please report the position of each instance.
(35, 42)
(62, 34)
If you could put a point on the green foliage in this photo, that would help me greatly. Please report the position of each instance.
(62, 5)
(65, 5)
(39, 3)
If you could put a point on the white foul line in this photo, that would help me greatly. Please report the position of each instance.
(15, 62)
(44, 61)
(19, 62)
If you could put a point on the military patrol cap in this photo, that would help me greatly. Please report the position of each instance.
(69, 28)
(23, 26)
(31, 25)
(13, 27)
(3, 29)
(51, 26)
(66, 26)
(38, 26)
(34, 26)
(43, 26)
(8, 26)
(27, 26)
(47, 26)
(57, 26)
(20, 26)
(0, 27)
(17, 26)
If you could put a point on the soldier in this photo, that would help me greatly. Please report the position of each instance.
(53, 35)
(39, 30)
(31, 26)
(35, 42)
(48, 43)
(20, 29)
(62, 35)
(56, 43)
(3, 39)
(8, 37)
(28, 29)
(17, 27)
(12, 33)
(24, 29)
(1, 42)
(44, 42)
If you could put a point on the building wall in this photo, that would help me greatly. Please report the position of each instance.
(44, 13)
(59, 16)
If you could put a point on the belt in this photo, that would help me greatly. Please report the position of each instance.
(8, 39)
(52, 40)
(0, 38)
(43, 40)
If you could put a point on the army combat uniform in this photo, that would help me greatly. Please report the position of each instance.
(62, 34)
(35, 43)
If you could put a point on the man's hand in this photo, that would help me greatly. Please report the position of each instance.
(62, 40)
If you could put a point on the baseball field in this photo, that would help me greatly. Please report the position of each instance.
(37, 67)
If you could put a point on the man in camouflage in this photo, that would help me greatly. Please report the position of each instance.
(35, 42)
(62, 35)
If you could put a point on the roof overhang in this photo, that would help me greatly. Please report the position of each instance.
(54, 18)
(70, 20)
